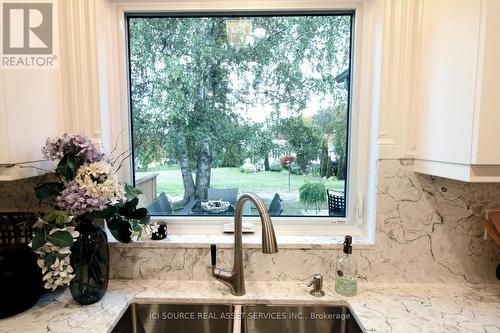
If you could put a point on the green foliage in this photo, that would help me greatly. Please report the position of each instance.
(303, 138)
(39, 240)
(60, 238)
(313, 169)
(333, 122)
(313, 194)
(131, 191)
(188, 80)
(275, 166)
(53, 220)
(120, 228)
(67, 167)
(57, 218)
(122, 218)
(231, 155)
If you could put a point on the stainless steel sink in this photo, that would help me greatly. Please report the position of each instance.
(299, 319)
(176, 318)
(253, 318)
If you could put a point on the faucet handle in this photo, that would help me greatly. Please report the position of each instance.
(317, 284)
(213, 254)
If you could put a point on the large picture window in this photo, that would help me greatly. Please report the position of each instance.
(227, 104)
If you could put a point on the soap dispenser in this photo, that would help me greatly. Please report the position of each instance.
(346, 271)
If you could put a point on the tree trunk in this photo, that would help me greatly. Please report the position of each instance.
(329, 169)
(203, 171)
(341, 170)
(323, 165)
(187, 175)
(266, 162)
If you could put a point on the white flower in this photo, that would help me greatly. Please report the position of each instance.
(154, 227)
(99, 180)
(60, 272)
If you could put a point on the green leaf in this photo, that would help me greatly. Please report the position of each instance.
(67, 167)
(57, 217)
(48, 191)
(128, 209)
(50, 259)
(120, 229)
(107, 213)
(132, 192)
(139, 213)
(136, 226)
(39, 240)
(145, 220)
(60, 238)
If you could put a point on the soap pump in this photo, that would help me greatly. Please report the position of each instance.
(346, 271)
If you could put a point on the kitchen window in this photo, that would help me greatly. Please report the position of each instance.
(244, 89)
(226, 104)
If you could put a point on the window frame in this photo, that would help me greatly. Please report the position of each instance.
(363, 108)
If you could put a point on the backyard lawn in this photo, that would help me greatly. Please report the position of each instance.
(264, 183)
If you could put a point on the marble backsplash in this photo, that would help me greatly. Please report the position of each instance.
(427, 230)
(19, 196)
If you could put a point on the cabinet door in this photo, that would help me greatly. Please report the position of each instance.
(486, 149)
(29, 113)
(449, 55)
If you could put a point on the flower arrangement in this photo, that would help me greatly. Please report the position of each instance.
(86, 188)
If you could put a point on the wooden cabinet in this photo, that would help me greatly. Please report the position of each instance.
(458, 127)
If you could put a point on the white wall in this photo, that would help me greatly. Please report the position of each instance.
(38, 103)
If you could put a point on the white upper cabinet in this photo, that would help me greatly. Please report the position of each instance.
(458, 127)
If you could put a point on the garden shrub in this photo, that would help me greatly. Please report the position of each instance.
(275, 166)
(313, 194)
(248, 168)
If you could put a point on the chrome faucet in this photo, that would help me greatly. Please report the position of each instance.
(235, 279)
(317, 284)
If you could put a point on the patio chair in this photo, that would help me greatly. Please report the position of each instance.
(224, 194)
(275, 208)
(160, 206)
(336, 203)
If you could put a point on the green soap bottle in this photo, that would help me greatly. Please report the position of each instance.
(346, 275)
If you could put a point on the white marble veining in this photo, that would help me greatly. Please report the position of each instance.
(380, 307)
(427, 231)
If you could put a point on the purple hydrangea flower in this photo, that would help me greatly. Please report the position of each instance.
(75, 143)
(76, 201)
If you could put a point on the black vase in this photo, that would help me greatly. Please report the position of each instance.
(90, 260)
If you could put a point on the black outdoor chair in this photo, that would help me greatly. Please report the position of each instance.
(224, 194)
(275, 208)
(160, 206)
(336, 203)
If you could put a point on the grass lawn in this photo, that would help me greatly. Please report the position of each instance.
(265, 183)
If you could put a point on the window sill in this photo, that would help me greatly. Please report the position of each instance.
(252, 241)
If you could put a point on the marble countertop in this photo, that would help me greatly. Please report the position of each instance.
(380, 307)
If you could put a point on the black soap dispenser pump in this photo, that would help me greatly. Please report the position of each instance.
(346, 271)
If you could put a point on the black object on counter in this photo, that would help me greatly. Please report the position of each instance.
(90, 260)
(20, 277)
(20, 280)
(161, 233)
(347, 245)
(213, 254)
